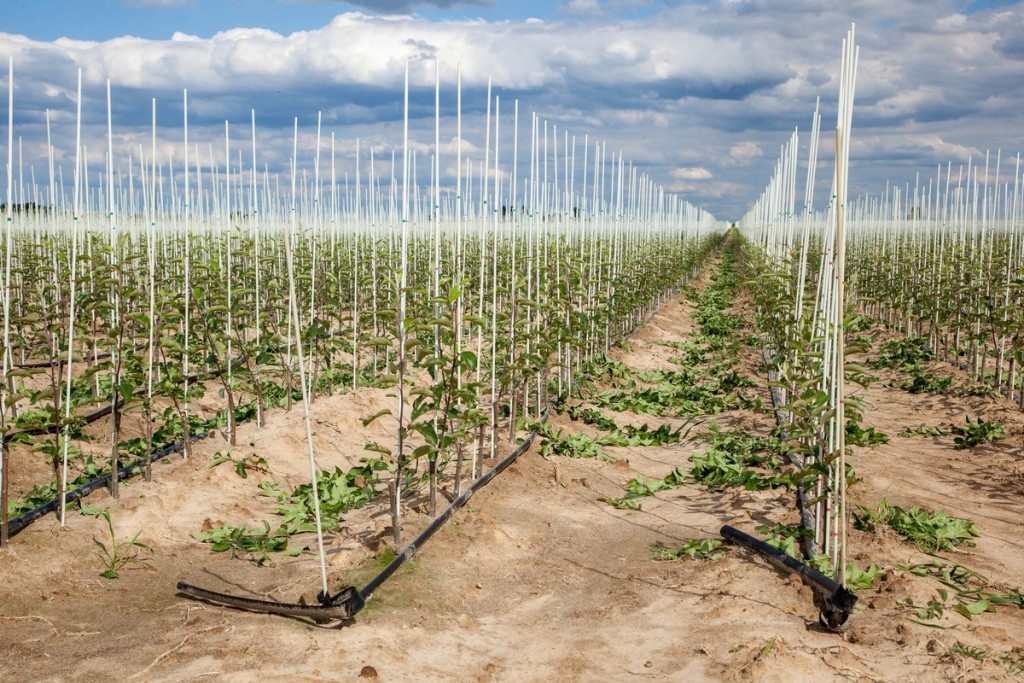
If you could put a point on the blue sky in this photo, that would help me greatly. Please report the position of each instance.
(700, 94)
(158, 19)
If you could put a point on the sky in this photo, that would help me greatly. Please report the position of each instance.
(700, 95)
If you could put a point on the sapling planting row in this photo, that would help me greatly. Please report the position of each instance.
(800, 258)
(191, 291)
(938, 261)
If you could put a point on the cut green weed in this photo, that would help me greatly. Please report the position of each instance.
(703, 550)
(977, 432)
(929, 531)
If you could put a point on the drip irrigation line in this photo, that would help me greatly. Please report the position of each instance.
(332, 610)
(366, 592)
(838, 602)
(960, 365)
(89, 418)
(18, 523)
(349, 601)
(64, 361)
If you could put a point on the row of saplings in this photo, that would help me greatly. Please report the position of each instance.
(702, 381)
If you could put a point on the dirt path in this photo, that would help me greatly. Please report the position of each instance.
(537, 580)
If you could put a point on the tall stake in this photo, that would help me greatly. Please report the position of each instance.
(74, 296)
(396, 506)
(186, 449)
(9, 220)
(840, 365)
(293, 306)
(116, 321)
(151, 258)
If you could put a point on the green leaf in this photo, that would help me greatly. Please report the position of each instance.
(975, 608)
(380, 413)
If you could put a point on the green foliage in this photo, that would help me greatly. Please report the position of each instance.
(640, 486)
(922, 381)
(862, 579)
(41, 494)
(719, 470)
(728, 462)
(244, 465)
(625, 503)
(570, 446)
(972, 388)
(592, 417)
(755, 450)
(977, 432)
(706, 381)
(934, 609)
(255, 544)
(555, 442)
(1013, 660)
(903, 353)
(783, 537)
(860, 436)
(675, 397)
(631, 435)
(702, 550)
(339, 492)
(924, 430)
(968, 652)
(119, 554)
(964, 590)
(930, 531)
(856, 578)
(692, 352)
(604, 369)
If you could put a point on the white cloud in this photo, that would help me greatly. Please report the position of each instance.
(743, 152)
(582, 7)
(599, 7)
(692, 173)
(407, 6)
(700, 95)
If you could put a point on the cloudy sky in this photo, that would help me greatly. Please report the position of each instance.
(700, 94)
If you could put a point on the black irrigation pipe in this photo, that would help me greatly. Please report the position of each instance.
(367, 591)
(89, 418)
(838, 602)
(343, 606)
(63, 361)
(348, 602)
(18, 523)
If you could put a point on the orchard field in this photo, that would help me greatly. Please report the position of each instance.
(291, 428)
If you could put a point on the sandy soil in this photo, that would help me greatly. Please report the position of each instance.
(536, 579)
